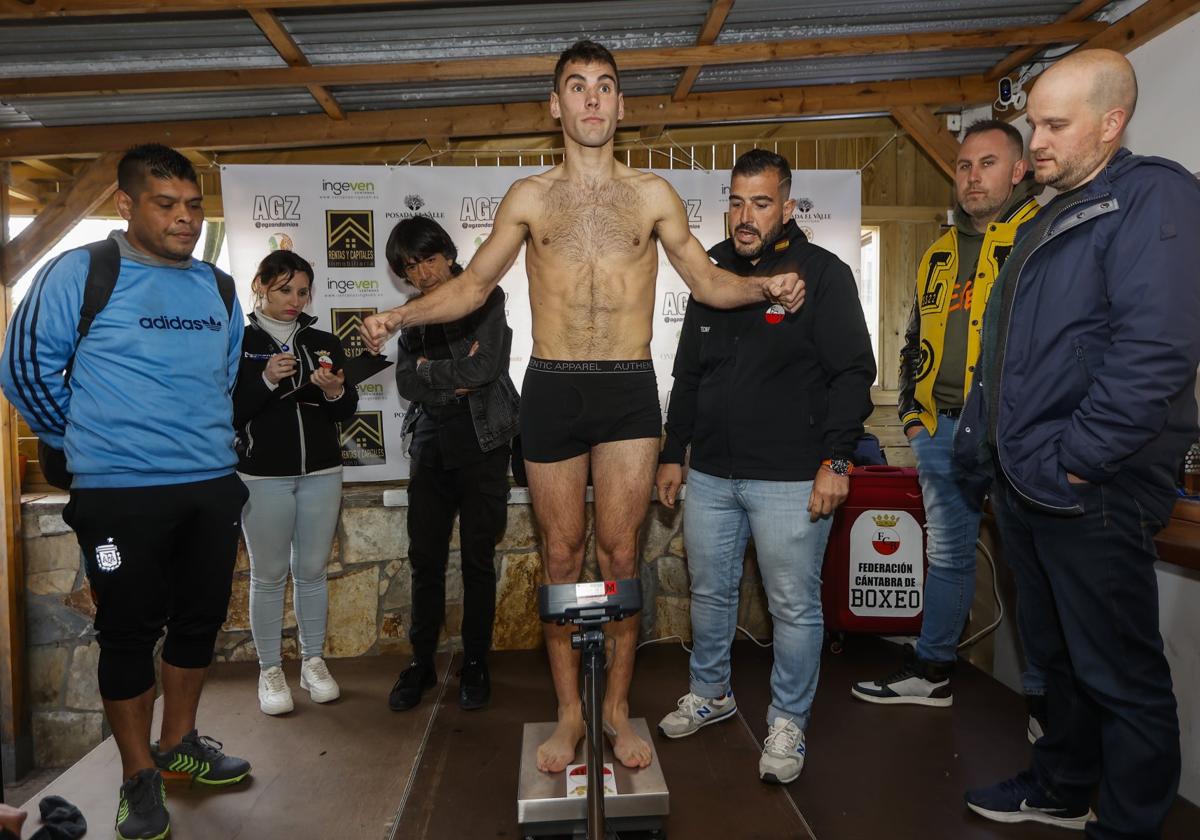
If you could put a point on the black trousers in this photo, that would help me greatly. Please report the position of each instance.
(1087, 608)
(478, 493)
(159, 556)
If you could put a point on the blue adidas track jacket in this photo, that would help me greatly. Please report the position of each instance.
(149, 401)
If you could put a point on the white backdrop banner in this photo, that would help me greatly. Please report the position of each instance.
(339, 218)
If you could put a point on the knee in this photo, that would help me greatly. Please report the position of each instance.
(126, 664)
(564, 562)
(618, 560)
(190, 647)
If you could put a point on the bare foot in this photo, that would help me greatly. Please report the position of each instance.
(629, 749)
(558, 750)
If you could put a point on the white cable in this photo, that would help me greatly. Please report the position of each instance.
(683, 644)
(995, 593)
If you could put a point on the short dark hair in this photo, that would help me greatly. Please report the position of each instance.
(757, 161)
(151, 159)
(586, 52)
(1009, 131)
(282, 266)
(417, 238)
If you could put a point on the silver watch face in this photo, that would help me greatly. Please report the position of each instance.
(841, 466)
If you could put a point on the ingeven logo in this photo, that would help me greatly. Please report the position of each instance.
(167, 322)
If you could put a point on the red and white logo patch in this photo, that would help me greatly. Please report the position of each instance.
(775, 313)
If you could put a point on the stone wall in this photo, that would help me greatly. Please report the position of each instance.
(369, 611)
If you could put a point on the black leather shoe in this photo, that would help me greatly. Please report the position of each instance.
(475, 685)
(413, 681)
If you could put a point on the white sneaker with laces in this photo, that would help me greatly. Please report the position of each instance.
(315, 677)
(274, 696)
(695, 712)
(783, 753)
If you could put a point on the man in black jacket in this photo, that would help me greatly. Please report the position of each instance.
(771, 404)
(462, 415)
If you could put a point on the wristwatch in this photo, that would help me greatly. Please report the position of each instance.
(838, 466)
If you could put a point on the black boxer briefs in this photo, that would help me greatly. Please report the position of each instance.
(567, 407)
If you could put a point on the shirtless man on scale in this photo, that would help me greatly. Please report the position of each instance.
(589, 396)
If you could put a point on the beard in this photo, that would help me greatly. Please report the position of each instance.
(754, 250)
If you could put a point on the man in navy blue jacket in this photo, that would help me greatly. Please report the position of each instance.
(1084, 406)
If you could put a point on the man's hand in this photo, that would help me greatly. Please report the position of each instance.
(914, 430)
(785, 289)
(829, 490)
(375, 330)
(667, 482)
(1074, 479)
(12, 818)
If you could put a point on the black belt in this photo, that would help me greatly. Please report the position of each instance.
(952, 413)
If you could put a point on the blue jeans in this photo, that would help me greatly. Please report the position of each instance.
(719, 516)
(1089, 612)
(952, 529)
(289, 522)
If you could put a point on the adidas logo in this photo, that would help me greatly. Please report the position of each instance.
(163, 322)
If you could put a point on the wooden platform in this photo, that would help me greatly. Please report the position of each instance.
(354, 769)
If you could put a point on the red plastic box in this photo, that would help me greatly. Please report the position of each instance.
(874, 574)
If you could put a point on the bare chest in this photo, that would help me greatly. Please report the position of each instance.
(585, 226)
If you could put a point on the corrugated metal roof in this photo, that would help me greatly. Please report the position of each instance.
(471, 28)
(167, 107)
(133, 45)
(480, 31)
(845, 70)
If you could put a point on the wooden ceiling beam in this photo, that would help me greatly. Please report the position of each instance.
(94, 183)
(1082, 11)
(711, 28)
(930, 133)
(55, 171)
(539, 65)
(391, 126)
(290, 52)
(1142, 24)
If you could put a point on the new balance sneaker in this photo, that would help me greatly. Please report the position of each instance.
(315, 678)
(475, 685)
(694, 713)
(411, 684)
(1022, 799)
(918, 682)
(783, 753)
(274, 696)
(142, 807)
(1037, 717)
(200, 758)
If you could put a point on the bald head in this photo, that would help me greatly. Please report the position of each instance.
(1105, 75)
(1078, 110)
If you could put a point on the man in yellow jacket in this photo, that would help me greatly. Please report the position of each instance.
(936, 365)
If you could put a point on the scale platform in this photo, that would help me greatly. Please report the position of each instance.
(545, 809)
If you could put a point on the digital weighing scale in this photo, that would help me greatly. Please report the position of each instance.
(554, 804)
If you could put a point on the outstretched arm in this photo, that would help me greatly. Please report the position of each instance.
(711, 285)
(464, 294)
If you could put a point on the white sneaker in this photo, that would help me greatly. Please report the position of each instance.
(783, 753)
(314, 676)
(694, 713)
(274, 696)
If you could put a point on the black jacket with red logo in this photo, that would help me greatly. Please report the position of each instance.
(282, 434)
(760, 394)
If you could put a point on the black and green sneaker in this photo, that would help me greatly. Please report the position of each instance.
(199, 758)
(142, 808)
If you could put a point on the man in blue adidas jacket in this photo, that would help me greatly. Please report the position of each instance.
(1084, 403)
(146, 420)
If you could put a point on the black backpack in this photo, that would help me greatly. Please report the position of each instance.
(104, 265)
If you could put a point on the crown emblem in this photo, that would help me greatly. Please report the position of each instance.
(886, 520)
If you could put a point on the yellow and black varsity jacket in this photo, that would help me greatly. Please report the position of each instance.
(923, 339)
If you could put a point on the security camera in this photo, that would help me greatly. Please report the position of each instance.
(1009, 93)
(1006, 94)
